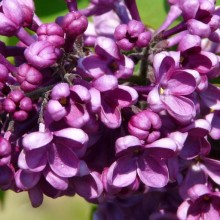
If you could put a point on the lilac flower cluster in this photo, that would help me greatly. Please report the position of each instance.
(125, 116)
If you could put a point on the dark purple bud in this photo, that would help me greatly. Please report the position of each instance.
(42, 54)
(29, 77)
(7, 27)
(145, 125)
(199, 28)
(26, 104)
(13, 11)
(16, 95)
(132, 34)
(28, 9)
(5, 147)
(191, 43)
(135, 28)
(52, 33)
(9, 105)
(3, 73)
(20, 115)
(74, 23)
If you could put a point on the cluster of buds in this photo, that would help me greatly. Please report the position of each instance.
(125, 116)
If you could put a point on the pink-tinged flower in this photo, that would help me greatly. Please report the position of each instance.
(145, 125)
(199, 16)
(18, 105)
(60, 150)
(68, 103)
(137, 160)
(42, 54)
(52, 33)
(172, 85)
(196, 142)
(133, 34)
(106, 60)
(194, 57)
(28, 77)
(202, 204)
(28, 9)
(108, 98)
(11, 17)
(74, 23)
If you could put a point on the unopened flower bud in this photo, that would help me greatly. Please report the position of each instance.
(5, 147)
(29, 77)
(74, 23)
(52, 33)
(42, 54)
(3, 73)
(20, 115)
(145, 125)
(133, 34)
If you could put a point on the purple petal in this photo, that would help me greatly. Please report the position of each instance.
(162, 148)
(152, 172)
(210, 97)
(166, 69)
(194, 176)
(183, 209)
(124, 95)
(13, 11)
(110, 115)
(77, 116)
(198, 28)
(36, 140)
(213, 213)
(181, 108)
(63, 161)
(56, 110)
(107, 48)
(123, 143)
(125, 68)
(26, 180)
(89, 186)
(191, 148)
(214, 119)
(59, 91)
(199, 128)
(181, 83)
(105, 83)
(95, 102)
(80, 94)
(34, 160)
(73, 134)
(36, 196)
(198, 190)
(212, 168)
(154, 100)
(56, 181)
(92, 66)
(122, 172)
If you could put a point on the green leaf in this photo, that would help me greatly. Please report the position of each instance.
(54, 8)
(93, 209)
(153, 13)
(2, 197)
